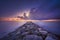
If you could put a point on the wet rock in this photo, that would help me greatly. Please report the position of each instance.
(32, 37)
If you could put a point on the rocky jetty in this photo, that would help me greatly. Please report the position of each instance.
(30, 31)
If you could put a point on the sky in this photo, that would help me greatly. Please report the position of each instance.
(11, 7)
(38, 9)
(43, 8)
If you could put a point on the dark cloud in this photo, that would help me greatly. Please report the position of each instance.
(11, 7)
(44, 8)
(47, 10)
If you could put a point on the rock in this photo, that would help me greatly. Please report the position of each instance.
(32, 37)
